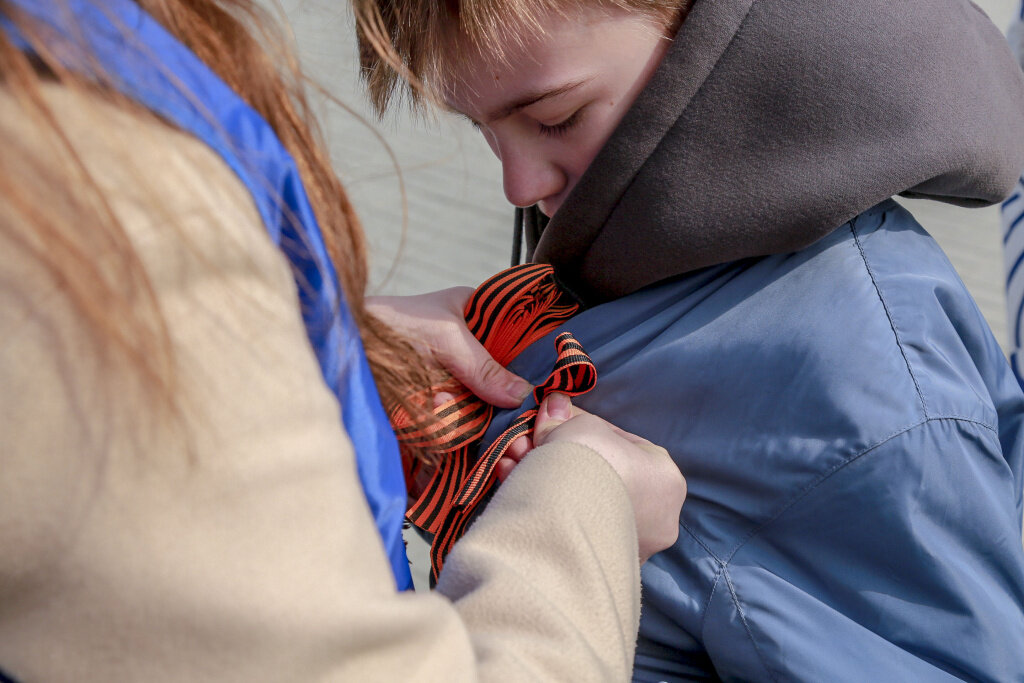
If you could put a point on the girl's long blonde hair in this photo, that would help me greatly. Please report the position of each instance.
(69, 237)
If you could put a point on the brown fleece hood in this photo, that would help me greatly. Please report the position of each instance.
(772, 122)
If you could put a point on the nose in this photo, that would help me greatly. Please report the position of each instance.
(529, 176)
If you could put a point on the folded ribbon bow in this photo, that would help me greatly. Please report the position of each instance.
(507, 313)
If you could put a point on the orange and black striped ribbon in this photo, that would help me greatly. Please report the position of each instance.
(507, 313)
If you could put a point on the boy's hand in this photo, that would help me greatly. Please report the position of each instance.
(434, 323)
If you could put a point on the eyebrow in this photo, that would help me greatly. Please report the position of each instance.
(533, 98)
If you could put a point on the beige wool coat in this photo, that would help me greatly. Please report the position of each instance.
(234, 543)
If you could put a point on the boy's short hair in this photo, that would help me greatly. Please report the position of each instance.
(410, 46)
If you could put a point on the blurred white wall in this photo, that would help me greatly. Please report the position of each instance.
(459, 224)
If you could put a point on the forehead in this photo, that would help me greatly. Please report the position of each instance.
(568, 47)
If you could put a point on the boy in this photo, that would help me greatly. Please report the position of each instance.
(850, 431)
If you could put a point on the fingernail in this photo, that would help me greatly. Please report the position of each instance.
(559, 406)
(519, 389)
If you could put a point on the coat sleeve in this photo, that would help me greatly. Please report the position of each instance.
(905, 564)
(228, 539)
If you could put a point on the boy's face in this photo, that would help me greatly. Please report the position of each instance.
(552, 104)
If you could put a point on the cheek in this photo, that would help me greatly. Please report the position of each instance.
(592, 137)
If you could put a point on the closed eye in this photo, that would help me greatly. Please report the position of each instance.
(564, 126)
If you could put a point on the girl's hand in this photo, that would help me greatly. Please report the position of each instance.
(655, 485)
(434, 323)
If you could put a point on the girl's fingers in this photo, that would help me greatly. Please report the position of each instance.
(629, 436)
(504, 468)
(515, 453)
(519, 448)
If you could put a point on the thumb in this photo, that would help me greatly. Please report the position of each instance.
(555, 409)
(470, 363)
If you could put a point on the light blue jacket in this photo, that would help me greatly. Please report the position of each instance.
(851, 435)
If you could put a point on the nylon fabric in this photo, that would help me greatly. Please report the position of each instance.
(506, 314)
(853, 442)
(147, 64)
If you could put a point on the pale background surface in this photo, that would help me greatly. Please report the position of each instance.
(459, 224)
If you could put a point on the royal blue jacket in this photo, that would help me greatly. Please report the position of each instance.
(851, 435)
(149, 66)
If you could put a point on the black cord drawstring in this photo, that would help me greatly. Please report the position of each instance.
(517, 237)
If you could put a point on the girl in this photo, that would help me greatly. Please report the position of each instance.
(197, 478)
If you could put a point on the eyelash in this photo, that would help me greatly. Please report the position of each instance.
(560, 129)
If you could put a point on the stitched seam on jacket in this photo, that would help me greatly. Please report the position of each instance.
(965, 418)
(724, 567)
(888, 315)
(746, 626)
(699, 541)
(707, 602)
(842, 465)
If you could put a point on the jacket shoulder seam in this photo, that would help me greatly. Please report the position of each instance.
(889, 317)
(803, 493)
